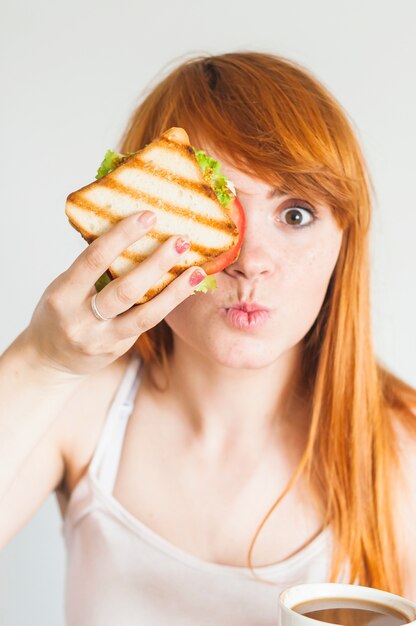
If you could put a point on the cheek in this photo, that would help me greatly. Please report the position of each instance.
(304, 282)
(187, 319)
(310, 271)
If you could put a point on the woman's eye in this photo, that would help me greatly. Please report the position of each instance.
(296, 216)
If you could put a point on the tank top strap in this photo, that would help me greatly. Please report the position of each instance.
(106, 459)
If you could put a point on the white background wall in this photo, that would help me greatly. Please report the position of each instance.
(71, 73)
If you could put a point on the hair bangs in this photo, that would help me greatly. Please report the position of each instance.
(267, 117)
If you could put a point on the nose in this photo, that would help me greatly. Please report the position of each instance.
(255, 261)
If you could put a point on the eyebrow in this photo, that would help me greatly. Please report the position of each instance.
(272, 193)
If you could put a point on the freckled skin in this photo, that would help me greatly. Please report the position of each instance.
(282, 267)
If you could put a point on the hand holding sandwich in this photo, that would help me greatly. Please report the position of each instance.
(133, 217)
(64, 330)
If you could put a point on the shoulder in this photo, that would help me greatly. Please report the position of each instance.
(80, 422)
(404, 504)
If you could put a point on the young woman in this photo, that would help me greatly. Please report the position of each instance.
(201, 464)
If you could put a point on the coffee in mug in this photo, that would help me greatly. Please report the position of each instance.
(350, 612)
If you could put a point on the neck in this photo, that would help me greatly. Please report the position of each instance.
(233, 408)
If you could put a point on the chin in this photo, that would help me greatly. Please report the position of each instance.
(244, 353)
(232, 349)
(244, 361)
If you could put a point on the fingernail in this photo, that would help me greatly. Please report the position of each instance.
(182, 245)
(147, 218)
(196, 278)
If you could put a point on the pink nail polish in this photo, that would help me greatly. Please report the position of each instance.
(196, 278)
(182, 245)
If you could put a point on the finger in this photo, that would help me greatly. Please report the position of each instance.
(119, 295)
(96, 259)
(143, 317)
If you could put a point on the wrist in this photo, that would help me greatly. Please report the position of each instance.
(27, 360)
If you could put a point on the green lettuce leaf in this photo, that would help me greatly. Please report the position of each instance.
(110, 162)
(208, 284)
(211, 171)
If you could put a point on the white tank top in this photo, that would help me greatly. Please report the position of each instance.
(122, 573)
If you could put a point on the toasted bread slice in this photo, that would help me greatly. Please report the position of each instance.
(165, 178)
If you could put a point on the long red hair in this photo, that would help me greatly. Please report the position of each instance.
(274, 120)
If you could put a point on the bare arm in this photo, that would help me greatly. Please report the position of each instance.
(56, 463)
(31, 397)
(65, 343)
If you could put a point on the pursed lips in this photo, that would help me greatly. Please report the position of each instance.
(248, 307)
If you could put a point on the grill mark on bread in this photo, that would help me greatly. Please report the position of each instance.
(173, 273)
(80, 200)
(195, 247)
(178, 269)
(207, 253)
(202, 187)
(185, 149)
(151, 293)
(204, 251)
(83, 203)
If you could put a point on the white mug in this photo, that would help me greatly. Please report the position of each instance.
(293, 596)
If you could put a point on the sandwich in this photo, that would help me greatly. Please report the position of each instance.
(185, 189)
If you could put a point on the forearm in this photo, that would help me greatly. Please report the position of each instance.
(31, 396)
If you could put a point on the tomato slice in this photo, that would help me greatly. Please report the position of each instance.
(226, 258)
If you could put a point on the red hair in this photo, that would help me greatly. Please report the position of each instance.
(272, 119)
